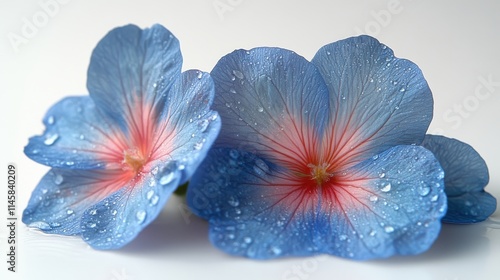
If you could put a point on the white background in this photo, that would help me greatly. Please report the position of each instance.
(455, 43)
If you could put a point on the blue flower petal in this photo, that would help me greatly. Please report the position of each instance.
(62, 196)
(229, 190)
(188, 117)
(378, 101)
(267, 98)
(118, 219)
(390, 204)
(466, 175)
(129, 71)
(77, 136)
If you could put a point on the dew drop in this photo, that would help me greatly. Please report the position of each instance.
(402, 89)
(386, 188)
(82, 137)
(381, 175)
(69, 211)
(50, 120)
(140, 216)
(373, 198)
(41, 225)
(51, 139)
(247, 240)
(154, 200)
(150, 194)
(424, 190)
(197, 146)
(343, 237)
(203, 125)
(58, 179)
(372, 233)
(388, 229)
(199, 75)
(260, 109)
(434, 198)
(233, 91)
(238, 74)
(91, 225)
(113, 212)
(167, 178)
(70, 163)
(275, 250)
(233, 201)
(234, 154)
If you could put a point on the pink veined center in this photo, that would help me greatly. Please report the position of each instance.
(130, 154)
(315, 171)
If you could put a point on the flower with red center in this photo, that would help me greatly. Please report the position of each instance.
(322, 156)
(118, 154)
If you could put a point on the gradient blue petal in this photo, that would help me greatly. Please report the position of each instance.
(75, 136)
(466, 175)
(188, 116)
(259, 92)
(226, 190)
(131, 66)
(119, 218)
(402, 195)
(230, 190)
(62, 196)
(377, 100)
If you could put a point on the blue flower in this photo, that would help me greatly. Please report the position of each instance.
(322, 156)
(466, 175)
(118, 154)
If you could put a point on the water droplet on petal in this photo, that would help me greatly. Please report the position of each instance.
(167, 178)
(434, 198)
(381, 175)
(114, 212)
(343, 237)
(388, 229)
(140, 216)
(69, 211)
(238, 74)
(247, 240)
(424, 190)
(203, 125)
(200, 74)
(93, 212)
(41, 225)
(51, 139)
(197, 146)
(150, 194)
(50, 120)
(154, 200)
(58, 179)
(373, 198)
(233, 201)
(386, 188)
(260, 109)
(234, 154)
